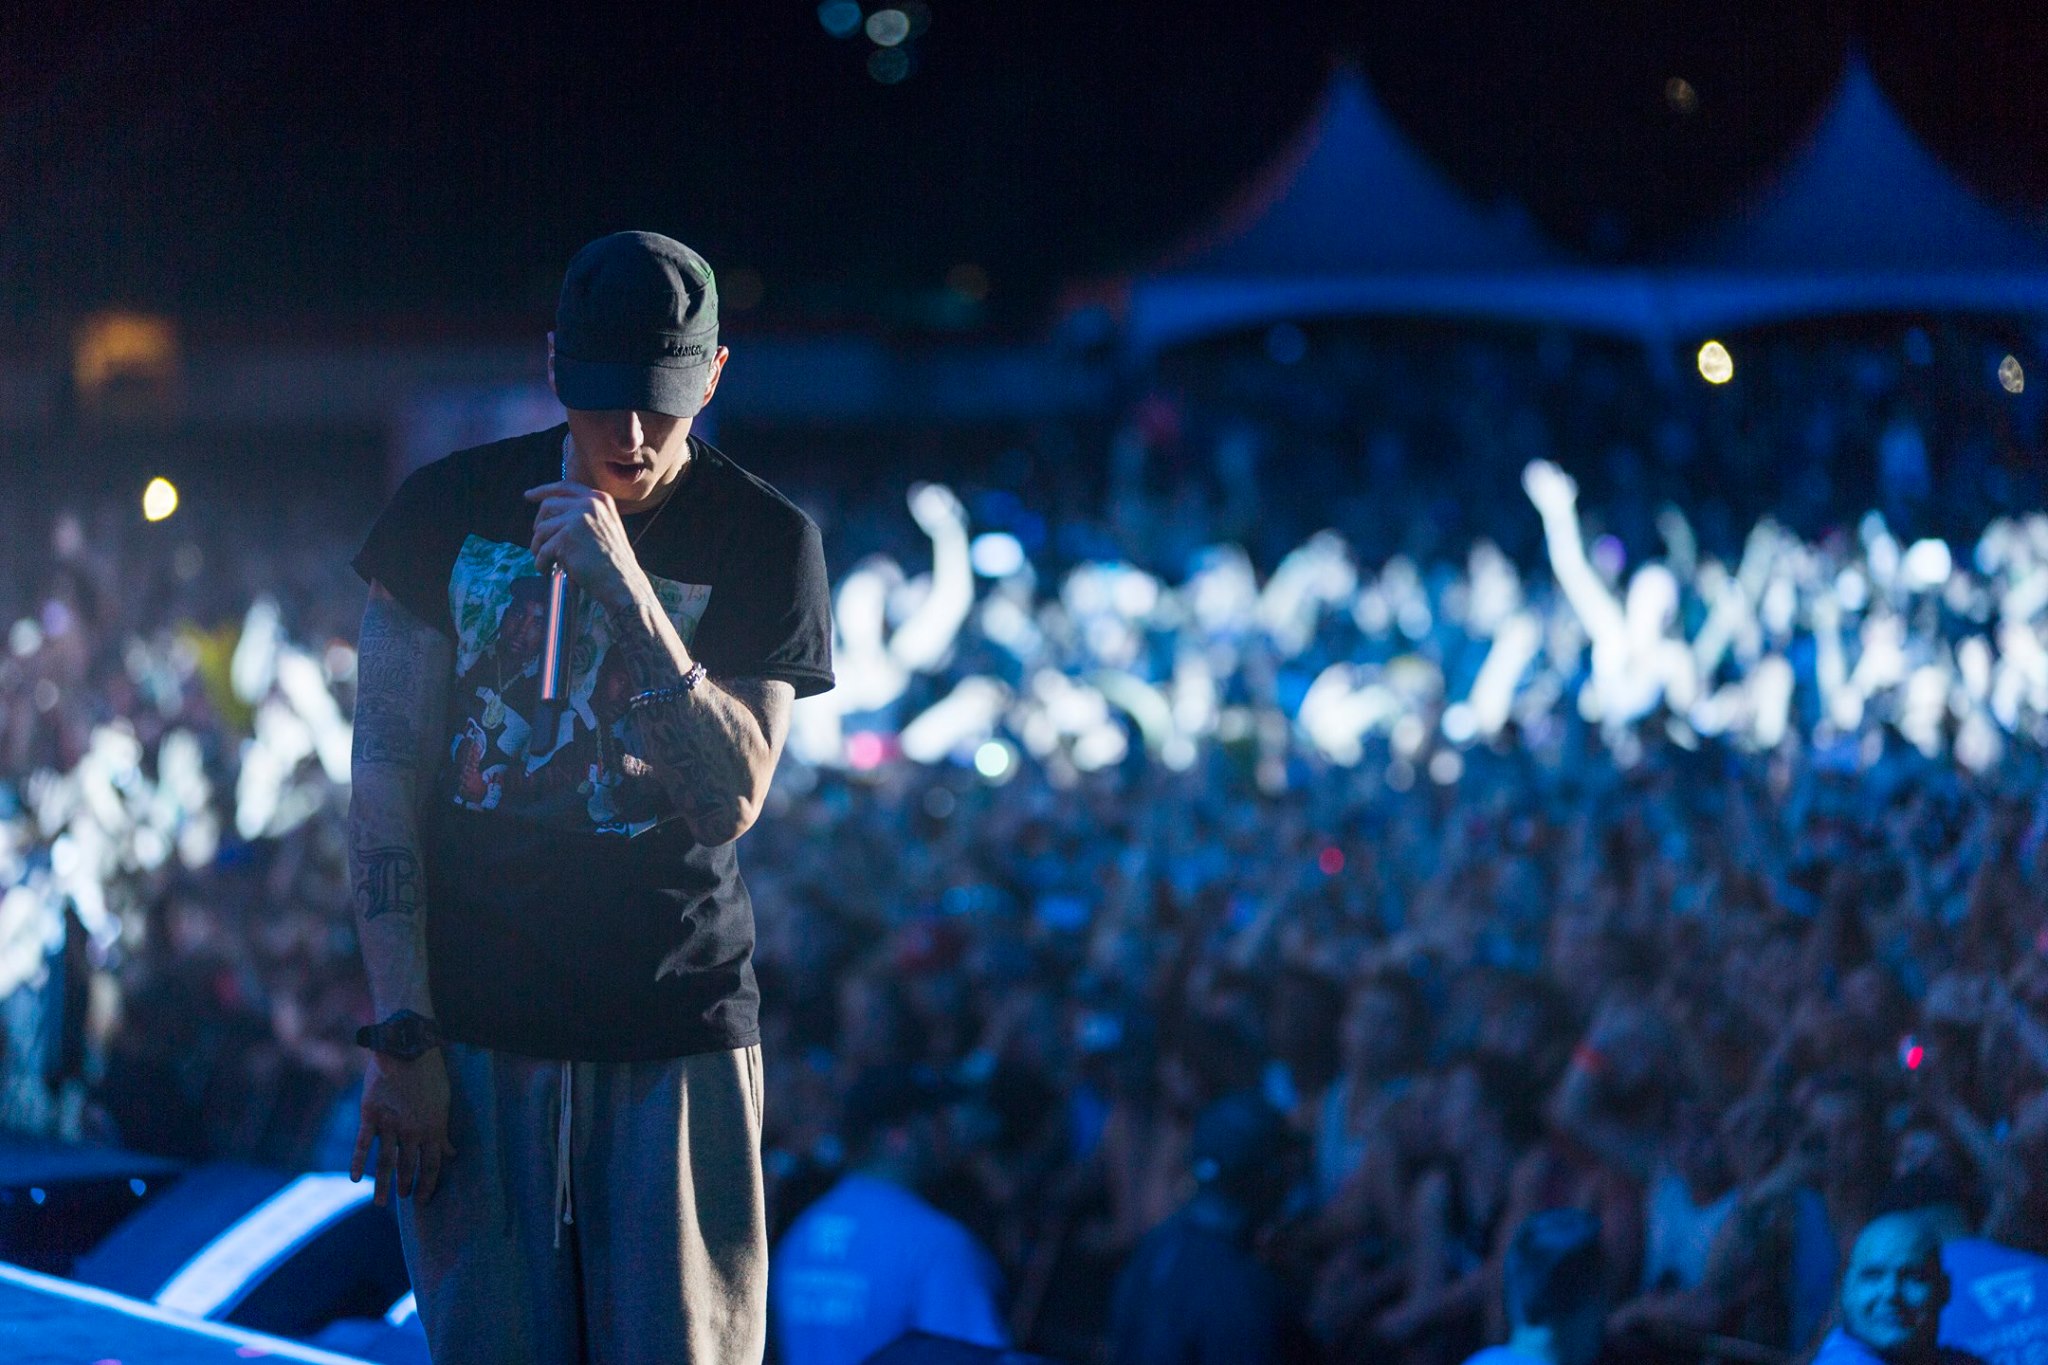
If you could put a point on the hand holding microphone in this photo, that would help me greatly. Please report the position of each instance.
(580, 541)
(578, 530)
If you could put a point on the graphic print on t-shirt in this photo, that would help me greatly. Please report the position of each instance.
(581, 776)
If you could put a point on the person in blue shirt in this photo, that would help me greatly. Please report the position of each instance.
(1998, 1299)
(1892, 1297)
(872, 1261)
(1552, 1279)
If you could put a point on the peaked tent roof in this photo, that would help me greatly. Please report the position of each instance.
(1355, 222)
(1351, 201)
(1353, 194)
(1864, 193)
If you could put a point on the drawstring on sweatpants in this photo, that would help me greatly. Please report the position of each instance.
(565, 1199)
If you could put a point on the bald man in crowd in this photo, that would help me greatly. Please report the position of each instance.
(1892, 1297)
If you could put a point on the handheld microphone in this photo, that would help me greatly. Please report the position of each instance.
(554, 658)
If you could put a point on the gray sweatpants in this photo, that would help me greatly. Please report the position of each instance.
(595, 1213)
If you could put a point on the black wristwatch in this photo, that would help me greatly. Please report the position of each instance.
(404, 1035)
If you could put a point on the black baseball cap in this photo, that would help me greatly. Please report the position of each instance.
(636, 326)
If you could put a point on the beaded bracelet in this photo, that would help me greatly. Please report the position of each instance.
(667, 694)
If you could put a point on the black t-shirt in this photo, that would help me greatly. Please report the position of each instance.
(569, 914)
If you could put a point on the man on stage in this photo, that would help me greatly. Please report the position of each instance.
(565, 1085)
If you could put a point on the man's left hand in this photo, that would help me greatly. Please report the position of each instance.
(578, 527)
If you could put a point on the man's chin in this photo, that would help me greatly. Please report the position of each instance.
(1886, 1336)
(625, 487)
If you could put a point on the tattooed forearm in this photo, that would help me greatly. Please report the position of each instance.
(389, 657)
(402, 675)
(387, 879)
(713, 749)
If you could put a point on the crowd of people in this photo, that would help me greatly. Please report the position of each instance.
(1299, 889)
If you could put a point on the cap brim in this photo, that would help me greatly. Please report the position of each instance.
(597, 385)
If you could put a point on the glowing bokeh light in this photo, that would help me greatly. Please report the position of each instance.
(123, 346)
(1927, 564)
(888, 27)
(159, 499)
(996, 554)
(1330, 861)
(840, 18)
(993, 760)
(2011, 377)
(865, 749)
(1716, 365)
(1679, 94)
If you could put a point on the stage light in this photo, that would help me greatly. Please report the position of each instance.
(159, 499)
(993, 760)
(888, 27)
(112, 348)
(2011, 377)
(1716, 365)
(1679, 94)
(1460, 723)
(996, 554)
(1927, 564)
(841, 18)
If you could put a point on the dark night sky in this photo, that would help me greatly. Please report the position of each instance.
(295, 159)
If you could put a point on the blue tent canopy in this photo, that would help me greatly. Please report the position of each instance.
(1354, 222)
(1353, 194)
(1864, 193)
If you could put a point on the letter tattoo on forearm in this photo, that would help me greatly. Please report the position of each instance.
(387, 882)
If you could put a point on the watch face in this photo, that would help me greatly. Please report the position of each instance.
(405, 1037)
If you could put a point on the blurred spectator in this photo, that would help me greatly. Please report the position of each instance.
(870, 1260)
(1552, 1279)
(1546, 787)
(1892, 1297)
(1195, 1292)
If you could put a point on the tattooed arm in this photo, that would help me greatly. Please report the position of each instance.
(402, 668)
(402, 673)
(714, 749)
